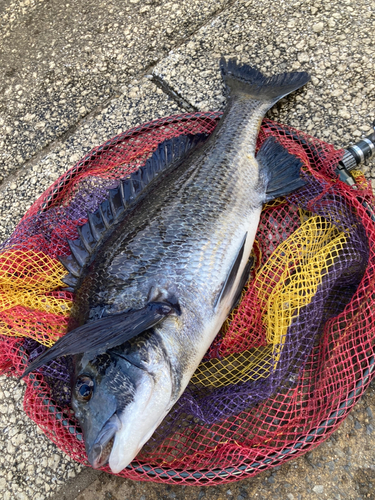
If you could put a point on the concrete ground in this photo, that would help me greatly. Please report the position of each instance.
(74, 74)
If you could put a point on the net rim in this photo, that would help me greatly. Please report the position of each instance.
(228, 474)
(216, 475)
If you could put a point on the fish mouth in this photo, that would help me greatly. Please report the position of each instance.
(140, 418)
(100, 451)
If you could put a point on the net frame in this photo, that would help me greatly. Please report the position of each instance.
(58, 423)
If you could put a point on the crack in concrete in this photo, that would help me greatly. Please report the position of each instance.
(169, 91)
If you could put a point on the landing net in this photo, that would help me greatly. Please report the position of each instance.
(289, 363)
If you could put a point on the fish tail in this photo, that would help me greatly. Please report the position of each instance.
(244, 79)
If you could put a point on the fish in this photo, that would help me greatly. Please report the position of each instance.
(159, 265)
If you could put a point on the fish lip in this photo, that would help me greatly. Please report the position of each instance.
(99, 453)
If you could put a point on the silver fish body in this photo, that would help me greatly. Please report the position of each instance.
(178, 256)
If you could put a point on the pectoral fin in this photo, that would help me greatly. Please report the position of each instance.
(98, 336)
(228, 284)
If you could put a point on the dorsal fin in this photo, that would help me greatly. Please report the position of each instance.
(122, 198)
(281, 168)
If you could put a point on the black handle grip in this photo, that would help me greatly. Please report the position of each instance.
(360, 152)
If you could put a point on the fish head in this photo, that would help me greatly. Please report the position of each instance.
(120, 397)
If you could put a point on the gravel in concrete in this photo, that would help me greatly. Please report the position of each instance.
(30, 465)
(141, 102)
(336, 106)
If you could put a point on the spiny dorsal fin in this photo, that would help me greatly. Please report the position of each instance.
(71, 265)
(120, 199)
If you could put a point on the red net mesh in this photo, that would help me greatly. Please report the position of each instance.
(254, 402)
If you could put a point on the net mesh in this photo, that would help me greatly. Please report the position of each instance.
(290, 361)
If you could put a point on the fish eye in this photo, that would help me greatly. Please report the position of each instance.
(84, 388)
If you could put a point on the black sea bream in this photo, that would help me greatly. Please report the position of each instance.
(160, 264)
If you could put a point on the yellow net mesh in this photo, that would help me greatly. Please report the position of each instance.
(30, 304)
(287, 282)
(359, 178)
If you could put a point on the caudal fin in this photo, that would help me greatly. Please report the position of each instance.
(243, 79)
